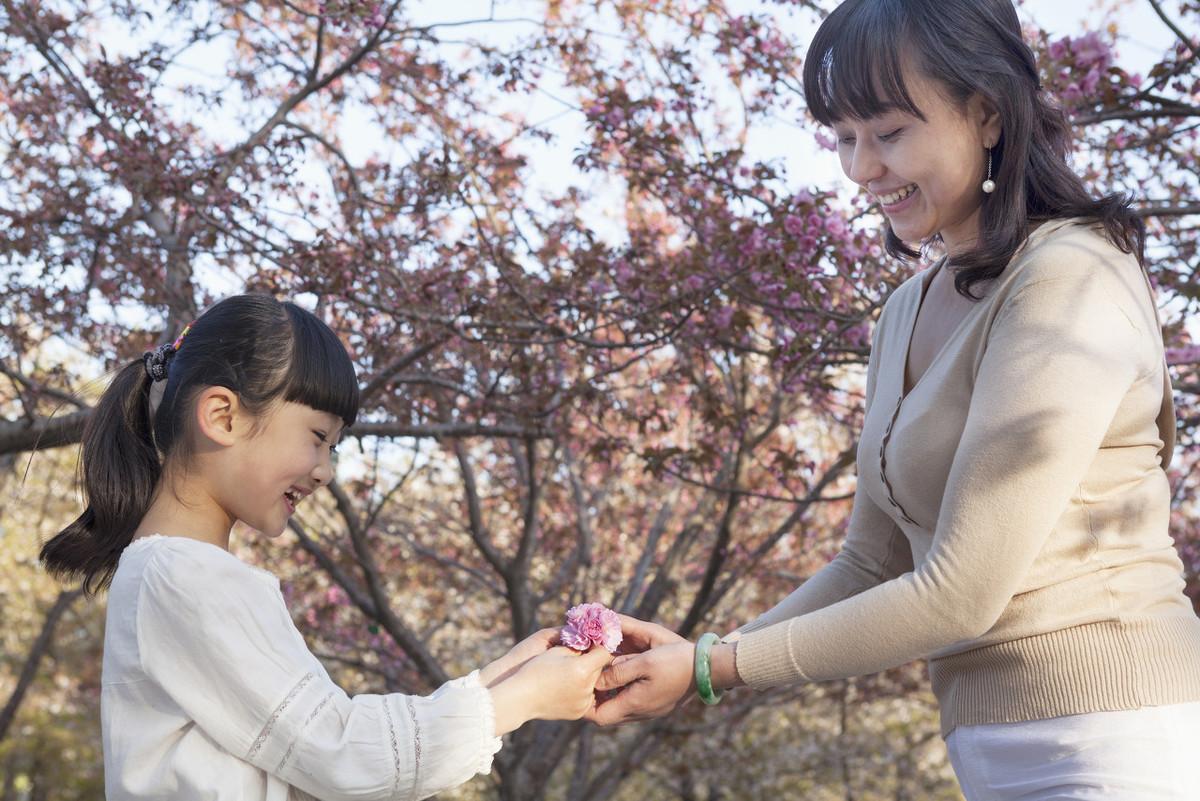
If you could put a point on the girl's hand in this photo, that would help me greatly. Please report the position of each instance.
(534, 645)
(559, 684)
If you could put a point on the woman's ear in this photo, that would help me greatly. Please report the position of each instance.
(217, 415)
(987, 116)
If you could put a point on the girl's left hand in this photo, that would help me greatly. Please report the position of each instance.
(534, 645)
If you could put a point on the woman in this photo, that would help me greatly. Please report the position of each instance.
(1010, 520)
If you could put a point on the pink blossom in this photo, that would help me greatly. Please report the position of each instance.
(1092, 49)
(592, 624)
(1189, 354)
(825, 140)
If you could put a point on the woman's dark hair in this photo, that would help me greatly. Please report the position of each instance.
(853, 71)
(263, 349)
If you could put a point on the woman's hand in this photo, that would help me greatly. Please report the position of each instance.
(647, 685)
(641, 635)
(534, 645)
(559, 684)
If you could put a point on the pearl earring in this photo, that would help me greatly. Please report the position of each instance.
(989, 186)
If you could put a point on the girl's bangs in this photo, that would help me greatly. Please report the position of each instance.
(854, 68)
(321, 374)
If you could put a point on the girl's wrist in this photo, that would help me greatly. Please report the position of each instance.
(510, 704)
(492, 672)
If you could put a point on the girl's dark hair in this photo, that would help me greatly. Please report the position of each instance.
(853, 71)
(263, 349)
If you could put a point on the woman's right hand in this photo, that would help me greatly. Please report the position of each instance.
(559, 684)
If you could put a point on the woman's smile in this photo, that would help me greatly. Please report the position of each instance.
(897, 201)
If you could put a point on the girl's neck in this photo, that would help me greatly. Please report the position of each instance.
(185, 509)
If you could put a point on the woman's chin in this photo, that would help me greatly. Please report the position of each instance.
(911, 235)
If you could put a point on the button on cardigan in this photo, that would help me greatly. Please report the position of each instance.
(1010, 521)
(209, 692)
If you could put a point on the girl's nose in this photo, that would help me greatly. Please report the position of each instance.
(322, 473)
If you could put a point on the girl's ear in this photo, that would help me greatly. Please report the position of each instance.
(218, 414)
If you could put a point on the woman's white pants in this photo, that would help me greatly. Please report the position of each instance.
(1148, 754)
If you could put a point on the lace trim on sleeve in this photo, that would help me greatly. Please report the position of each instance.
(412, 712)
(387, 713)
(311, 717)
(279, 710)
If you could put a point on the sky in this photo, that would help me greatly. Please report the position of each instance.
(1144, 37)
(786, 141)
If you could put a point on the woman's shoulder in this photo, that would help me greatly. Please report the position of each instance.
(1072, 248)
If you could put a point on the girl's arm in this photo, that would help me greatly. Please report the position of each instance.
(216, 636)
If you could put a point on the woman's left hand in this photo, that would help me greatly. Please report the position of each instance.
(534, 645)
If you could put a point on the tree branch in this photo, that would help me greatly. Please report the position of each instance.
(40, 646)
(426, 663)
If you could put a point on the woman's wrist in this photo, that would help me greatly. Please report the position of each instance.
(724, 666)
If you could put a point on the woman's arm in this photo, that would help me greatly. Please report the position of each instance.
(1060, 358)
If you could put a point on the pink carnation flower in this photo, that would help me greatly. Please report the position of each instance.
(589, 624)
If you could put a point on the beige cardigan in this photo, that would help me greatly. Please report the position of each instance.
(1010, 520)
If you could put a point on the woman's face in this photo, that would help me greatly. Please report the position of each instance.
(926, 175)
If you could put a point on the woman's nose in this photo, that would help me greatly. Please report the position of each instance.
(864, 165)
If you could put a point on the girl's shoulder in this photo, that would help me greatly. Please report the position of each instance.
(191, 560)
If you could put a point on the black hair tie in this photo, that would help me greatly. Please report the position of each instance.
(157, 361)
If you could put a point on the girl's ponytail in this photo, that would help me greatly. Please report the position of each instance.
(119, 469)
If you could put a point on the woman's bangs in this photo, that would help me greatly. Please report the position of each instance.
(321, 374)
(854, 68)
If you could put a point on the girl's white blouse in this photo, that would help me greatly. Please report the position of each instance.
(209, 692)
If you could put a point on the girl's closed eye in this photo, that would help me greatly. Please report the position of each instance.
(322, 439)
(891, 135)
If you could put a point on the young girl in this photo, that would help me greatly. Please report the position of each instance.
(209, 691)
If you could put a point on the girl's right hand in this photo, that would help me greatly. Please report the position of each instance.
(559, 684)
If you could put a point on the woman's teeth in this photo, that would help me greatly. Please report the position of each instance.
(895, 197)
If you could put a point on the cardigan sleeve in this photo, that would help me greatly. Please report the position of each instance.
(874, 550)
(217, 637)
(1060, 357)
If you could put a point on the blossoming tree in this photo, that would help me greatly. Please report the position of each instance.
(632, 377)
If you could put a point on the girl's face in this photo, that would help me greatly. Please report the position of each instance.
(926, 175)
(272, 470)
